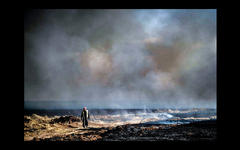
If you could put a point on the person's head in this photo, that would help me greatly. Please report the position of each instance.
(84, 108)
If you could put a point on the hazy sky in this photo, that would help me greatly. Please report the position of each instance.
(120, 58)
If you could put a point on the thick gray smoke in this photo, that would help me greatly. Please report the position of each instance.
(120, 58)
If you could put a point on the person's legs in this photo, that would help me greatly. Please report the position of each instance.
(86, 123)
(83, 123)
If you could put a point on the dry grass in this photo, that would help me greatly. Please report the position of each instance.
(36, 126)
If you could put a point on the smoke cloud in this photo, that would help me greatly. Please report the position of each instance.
(120, 58)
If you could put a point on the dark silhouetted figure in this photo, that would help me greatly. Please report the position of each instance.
(84, 117)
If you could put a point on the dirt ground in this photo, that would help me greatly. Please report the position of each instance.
(69, 128)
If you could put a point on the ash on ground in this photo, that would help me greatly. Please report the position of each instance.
(69, 128)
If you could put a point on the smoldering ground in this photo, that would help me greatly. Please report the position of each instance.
(120, 58)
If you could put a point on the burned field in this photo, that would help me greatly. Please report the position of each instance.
(144, 75)
(68, 128)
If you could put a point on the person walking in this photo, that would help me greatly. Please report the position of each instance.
(84, 117)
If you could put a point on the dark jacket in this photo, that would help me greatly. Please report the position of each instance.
(85, 115)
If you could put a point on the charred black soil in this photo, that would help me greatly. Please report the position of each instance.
(198, 131)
